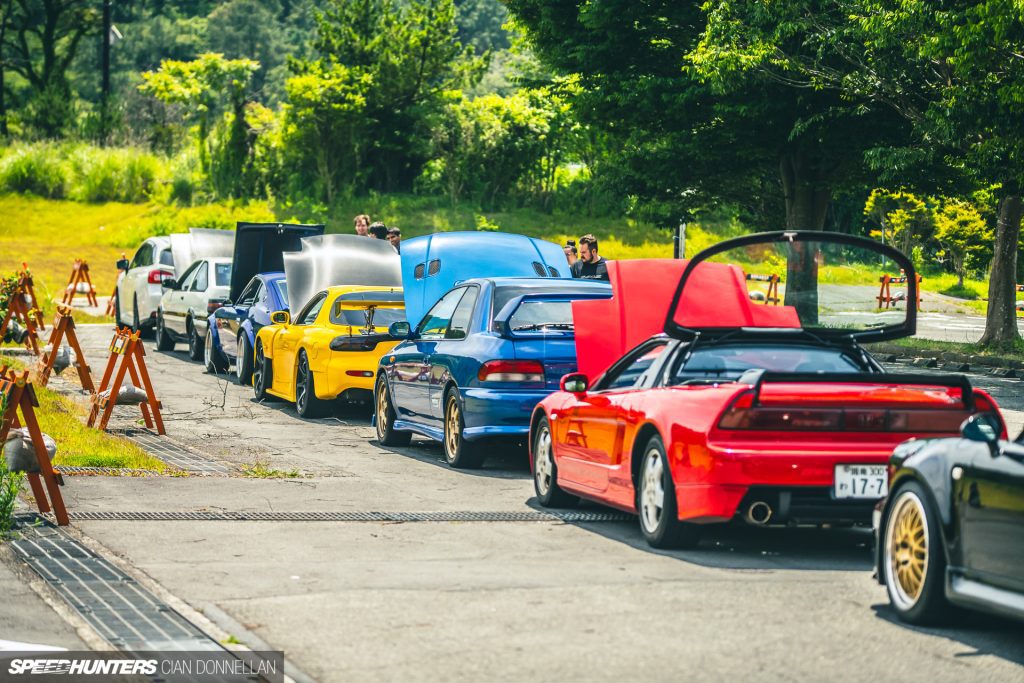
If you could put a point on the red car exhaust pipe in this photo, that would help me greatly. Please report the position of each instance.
(758, 513)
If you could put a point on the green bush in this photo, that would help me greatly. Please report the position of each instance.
(115, 175)
(10, 485)
(34, 169)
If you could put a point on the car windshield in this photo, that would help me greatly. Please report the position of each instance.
(545, 317)
(382, 317)
(728, 362)
(223, 277)
(282, 290)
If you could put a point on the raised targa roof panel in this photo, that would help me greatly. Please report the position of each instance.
(331, 260)
(199, 243)
(433, 264)
(260, 247)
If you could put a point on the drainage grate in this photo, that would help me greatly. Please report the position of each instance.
(106, 471)
(354, 516)
(172, 453)
(125, 614)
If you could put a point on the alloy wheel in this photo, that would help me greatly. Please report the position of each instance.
(543, 467)
(301, 377)
(652, 492)
(257, 369)
(906, 549)
(453, 429)
(240, 357)
(208, 352)
(382, 410)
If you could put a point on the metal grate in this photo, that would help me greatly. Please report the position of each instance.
(106, 471)
(125, 614)
(172, 453)
(354, 516)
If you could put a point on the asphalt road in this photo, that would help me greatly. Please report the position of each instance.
(495, 600)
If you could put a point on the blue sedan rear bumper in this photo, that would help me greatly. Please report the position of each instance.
(499, 412)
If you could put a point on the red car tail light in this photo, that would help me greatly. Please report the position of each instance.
(743, 414)
(511, 371)
(158, 276)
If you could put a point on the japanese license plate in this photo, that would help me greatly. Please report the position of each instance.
(861, 481)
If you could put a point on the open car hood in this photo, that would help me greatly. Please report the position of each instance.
(199, 243)
(260, 247)
(824, 282)
(328, 260)
(433, 264)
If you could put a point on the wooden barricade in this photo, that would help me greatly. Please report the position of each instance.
(885, 299)
(64, 328)
(79, 275)
(772, 297)
(17, 394)
(127, 346)
(17, 309)
(27, 285)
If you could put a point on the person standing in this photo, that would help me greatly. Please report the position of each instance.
(395, 237)
(378, 230)
(590, 265)
(362, 223)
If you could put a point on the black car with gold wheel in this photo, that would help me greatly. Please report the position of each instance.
(951, 531)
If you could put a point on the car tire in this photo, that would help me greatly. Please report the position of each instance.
(136, 325)
(458, 452)
(545, 472)
(913, 558)
(195, 347)
(656, 502)
(244, 360)
(387, 435)
(213, 362)
(164, 341)
(262, 374)
(306, 403)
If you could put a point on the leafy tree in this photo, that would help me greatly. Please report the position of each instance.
(480, 24)
(202, 85)
(40, 40)
(964, 235)
(249, 29)
(903, 217)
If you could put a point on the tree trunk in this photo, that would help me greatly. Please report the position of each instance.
(807, 199)
(1001, 320)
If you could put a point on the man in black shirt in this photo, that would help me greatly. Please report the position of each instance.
(590, 266)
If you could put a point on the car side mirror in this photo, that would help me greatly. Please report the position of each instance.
(280, 317)
(983, 428)
(575, 383)
(169, 283)
(400, 330)
(122, 264)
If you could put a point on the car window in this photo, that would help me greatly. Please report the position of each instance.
(202, 280)
(307, 316)
(250, 294)
(143, 257)
(730, 361)
(282, 290)
(435, 323)
(459, 326)
(630, 374)
(188, 276)
(166, 257)
(222, 274)
(543, 317)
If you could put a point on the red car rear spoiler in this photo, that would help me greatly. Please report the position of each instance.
(914, 379)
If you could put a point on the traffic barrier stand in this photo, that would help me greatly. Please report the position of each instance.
(28, 287)
(64, 328)
(772, 297)
(885, 297)
(80, 283)
(112, 301)
(19, 313)
(16, 393)
(127, 346)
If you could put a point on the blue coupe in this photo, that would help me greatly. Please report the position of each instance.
(258, 288)
(487, 351)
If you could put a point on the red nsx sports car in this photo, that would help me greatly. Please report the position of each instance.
(755, 400)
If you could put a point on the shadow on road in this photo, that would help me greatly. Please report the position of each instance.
(987, 635)
(504, 460)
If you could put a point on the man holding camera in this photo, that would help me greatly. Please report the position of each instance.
(590, 265)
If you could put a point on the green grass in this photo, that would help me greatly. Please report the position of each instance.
(261, 469)
(63, 419)
(917, 344)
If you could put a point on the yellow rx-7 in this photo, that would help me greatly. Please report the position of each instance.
(330, 350)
